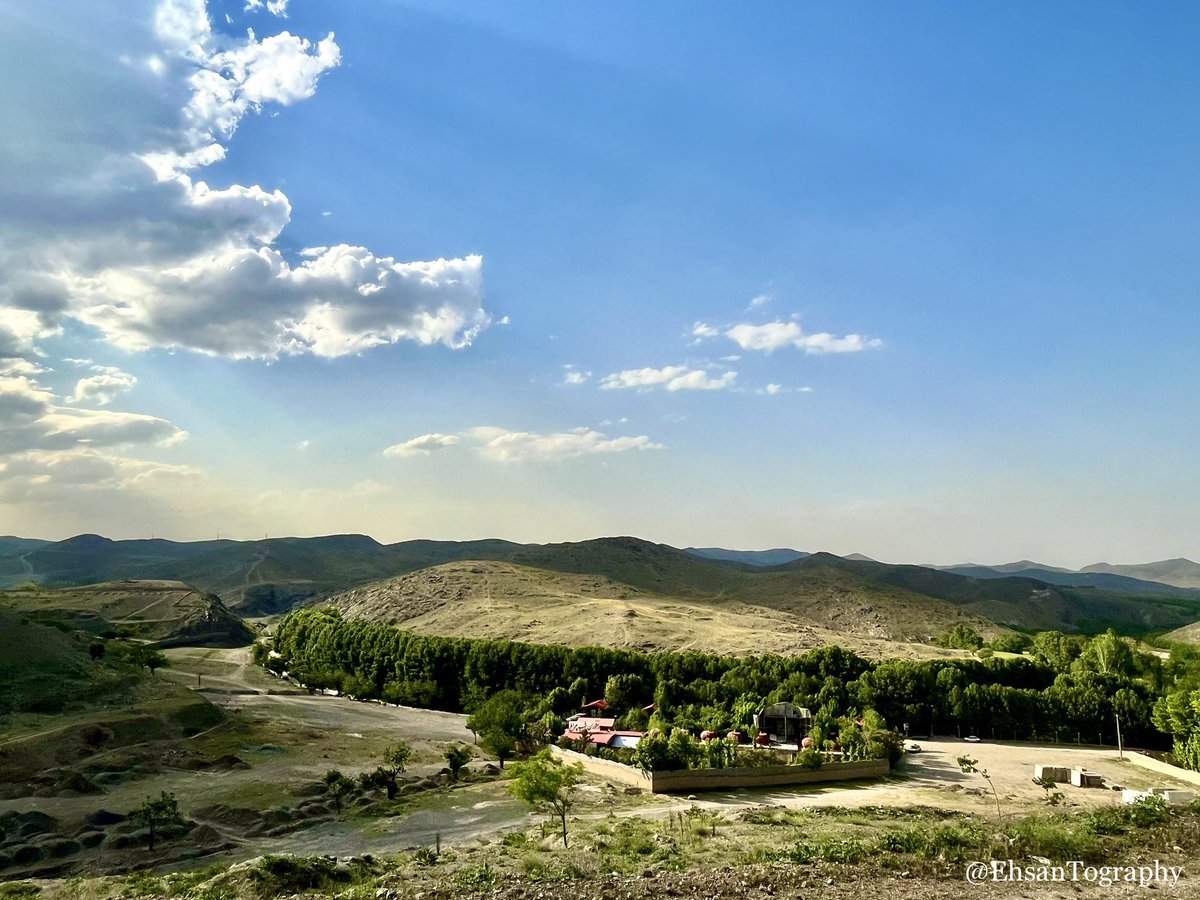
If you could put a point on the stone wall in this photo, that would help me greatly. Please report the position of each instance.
(723, 779)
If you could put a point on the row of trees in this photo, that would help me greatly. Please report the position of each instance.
(1067, 687)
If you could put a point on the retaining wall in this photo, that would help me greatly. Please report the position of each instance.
(724, 779)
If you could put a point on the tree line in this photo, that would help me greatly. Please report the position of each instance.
(1065, 688)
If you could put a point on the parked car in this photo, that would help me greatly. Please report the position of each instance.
(972, 739)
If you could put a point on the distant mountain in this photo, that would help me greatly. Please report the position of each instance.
(776, 557)
(11, 546)
(849, 593)
(858, 557)
(1099, 580)
(1178, 572)
(1022, 565)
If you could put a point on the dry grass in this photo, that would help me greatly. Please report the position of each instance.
(505, 601)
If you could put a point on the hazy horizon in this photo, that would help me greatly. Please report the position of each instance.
(679, 546)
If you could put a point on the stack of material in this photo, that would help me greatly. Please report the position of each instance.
(1085, 779)
(1057, 774)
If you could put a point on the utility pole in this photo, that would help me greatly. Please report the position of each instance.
(1120, 746)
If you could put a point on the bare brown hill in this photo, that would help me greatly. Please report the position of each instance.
(514, 602)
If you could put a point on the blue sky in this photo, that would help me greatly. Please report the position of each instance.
(916, 283)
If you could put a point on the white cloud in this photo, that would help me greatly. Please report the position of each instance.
(701, 331)
(33, 421)
(502, 445)
(274, 7)
(136, 246)
(105, 386)
(575, 376)
(673, 378)
(61, 475)
(506, 446)
(773, 388)
(760, 301)
(303, 445)
(423, 445)
(775, 335)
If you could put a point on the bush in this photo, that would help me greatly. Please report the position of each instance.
(1055, 837)
(1118, 819)
(809, 759)
(275, 876)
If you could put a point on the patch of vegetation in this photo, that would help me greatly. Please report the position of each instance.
(277, 876)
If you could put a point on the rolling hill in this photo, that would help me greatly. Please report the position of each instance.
(166, 612)
(871, 598)
(519, 602)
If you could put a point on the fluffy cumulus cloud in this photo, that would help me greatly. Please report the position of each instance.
(112, 224)
(505, 446)
(671, 378)
(139, 247)
(102, 388)
(423, 445)
(777, 335)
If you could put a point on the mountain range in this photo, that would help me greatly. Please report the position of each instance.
(889, 601)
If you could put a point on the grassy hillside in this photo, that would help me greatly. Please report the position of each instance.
(167, 612)
(271, 576)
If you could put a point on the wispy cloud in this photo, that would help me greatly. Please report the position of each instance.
(504, 445)
(776, 335)
(671, 378)
(423, 445)
(575, 376)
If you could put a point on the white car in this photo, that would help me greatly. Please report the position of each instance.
(972, 739)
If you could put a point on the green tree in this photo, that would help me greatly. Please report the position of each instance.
(961, 637)
(338, 786)
(146, 657)
(156, 814)
(1108, 654)
(547, 785)
(395, 758)
(457, 756)
(500, 723)
(623, 692)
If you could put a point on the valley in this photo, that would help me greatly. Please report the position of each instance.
(264, 690)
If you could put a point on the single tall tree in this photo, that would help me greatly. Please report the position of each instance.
(155, 814)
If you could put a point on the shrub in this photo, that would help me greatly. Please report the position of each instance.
(809, 759)
(278, 875)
